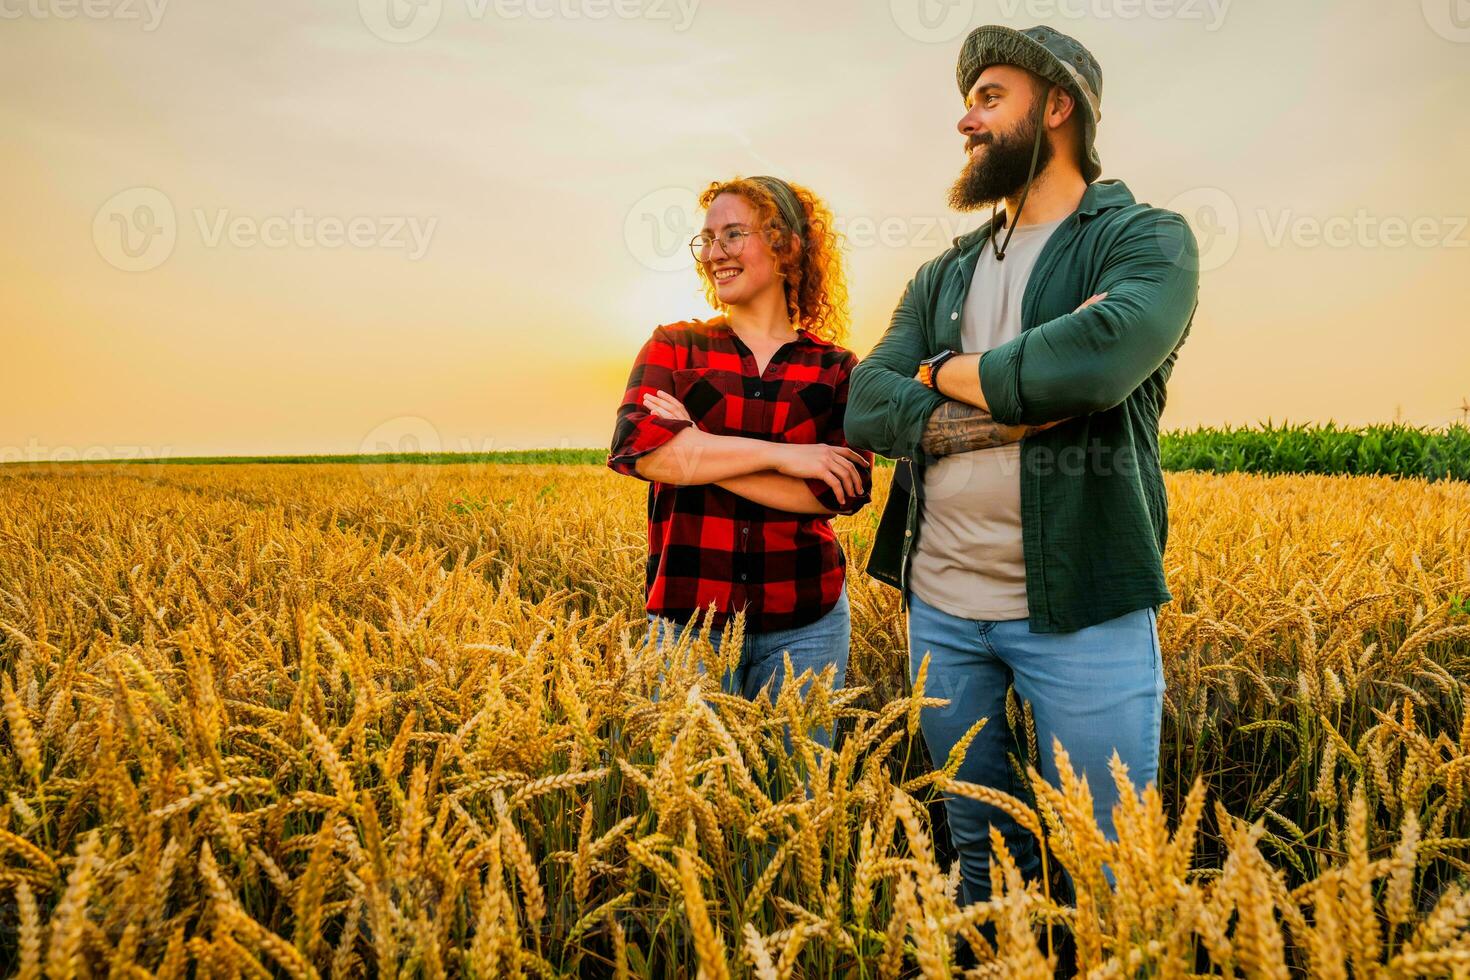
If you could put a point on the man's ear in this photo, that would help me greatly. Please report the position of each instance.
(1061, 106)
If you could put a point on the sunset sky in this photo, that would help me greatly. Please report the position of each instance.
(342, 226)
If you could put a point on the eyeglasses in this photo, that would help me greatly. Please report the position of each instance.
(732, 243)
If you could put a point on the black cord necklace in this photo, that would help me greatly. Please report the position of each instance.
(1000, 250)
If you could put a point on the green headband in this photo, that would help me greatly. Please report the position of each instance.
(786, 202)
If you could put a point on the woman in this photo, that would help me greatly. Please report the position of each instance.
(736, 422)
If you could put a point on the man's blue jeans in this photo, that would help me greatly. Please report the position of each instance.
(1095, 689)
(815, 645)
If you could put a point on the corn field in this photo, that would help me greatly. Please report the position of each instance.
(1394, 449)
(394, 720)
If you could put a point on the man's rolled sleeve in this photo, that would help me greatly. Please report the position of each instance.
(1093, 358)
(890, 408)
(639, 432)
(837, 436)
(1000, 382)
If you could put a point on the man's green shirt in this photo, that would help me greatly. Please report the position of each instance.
(1094, 515)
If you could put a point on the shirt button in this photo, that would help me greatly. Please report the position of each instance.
(908, 533)
(955, 315)
(745, 530)
(742, 576)
(757, 394)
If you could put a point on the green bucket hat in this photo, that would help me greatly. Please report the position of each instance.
(1051, 54)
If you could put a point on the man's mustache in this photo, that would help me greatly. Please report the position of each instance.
(975, 139)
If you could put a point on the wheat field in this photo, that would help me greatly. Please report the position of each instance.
(394, 720)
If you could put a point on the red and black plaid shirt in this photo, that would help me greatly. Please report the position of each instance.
(705, 543)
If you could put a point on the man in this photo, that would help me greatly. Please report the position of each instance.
(1026, 523)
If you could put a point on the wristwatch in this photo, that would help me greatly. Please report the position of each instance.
(929, 368)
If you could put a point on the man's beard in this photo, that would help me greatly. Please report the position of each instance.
(1001, 170)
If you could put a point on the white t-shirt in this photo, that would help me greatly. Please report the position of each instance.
(968, 559)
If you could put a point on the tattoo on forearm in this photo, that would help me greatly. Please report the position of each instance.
(955, 427)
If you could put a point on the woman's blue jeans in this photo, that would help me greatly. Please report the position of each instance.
(815, 645)
(1096, 690)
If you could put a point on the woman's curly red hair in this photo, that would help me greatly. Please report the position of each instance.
(816, 286)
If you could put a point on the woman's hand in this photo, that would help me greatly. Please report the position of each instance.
(837, 465)
(666, 406)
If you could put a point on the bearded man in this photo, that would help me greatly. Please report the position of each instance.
(1020, 385)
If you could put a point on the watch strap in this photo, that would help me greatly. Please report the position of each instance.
(933, 364)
